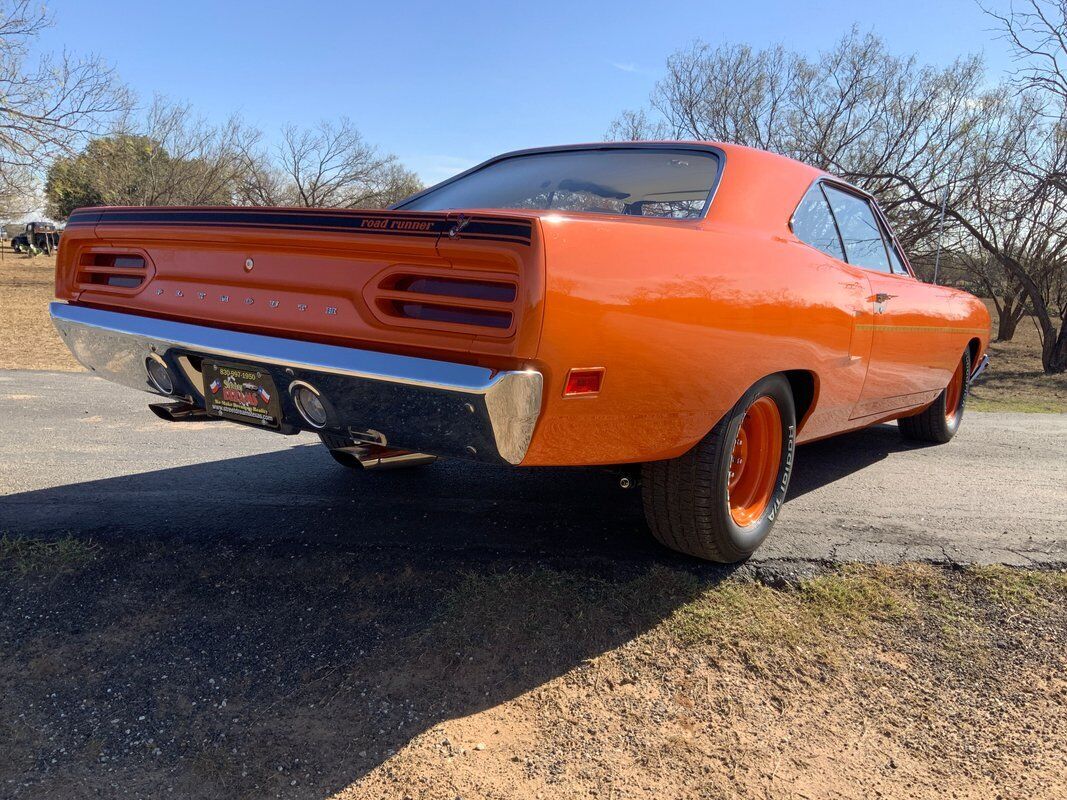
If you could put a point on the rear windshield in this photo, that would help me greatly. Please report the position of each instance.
(674, 184)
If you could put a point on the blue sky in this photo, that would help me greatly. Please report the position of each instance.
(445, 85)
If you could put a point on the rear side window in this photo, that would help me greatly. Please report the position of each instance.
(860, 232)
(814, 224)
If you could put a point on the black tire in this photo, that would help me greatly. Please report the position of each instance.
(687, 499)
(937, 423)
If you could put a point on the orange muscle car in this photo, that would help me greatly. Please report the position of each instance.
(695, 308)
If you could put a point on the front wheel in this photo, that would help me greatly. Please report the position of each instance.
(719, 501)
(939, 421)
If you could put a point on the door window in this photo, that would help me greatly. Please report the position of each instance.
(895, 260)
(860, 231)
(813, 224)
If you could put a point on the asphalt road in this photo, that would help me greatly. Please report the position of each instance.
(80, 455)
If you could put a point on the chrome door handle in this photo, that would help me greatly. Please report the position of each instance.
(882, 297)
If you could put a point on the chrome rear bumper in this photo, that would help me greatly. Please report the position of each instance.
(435, 407)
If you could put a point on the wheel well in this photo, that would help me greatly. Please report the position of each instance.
(802, 384)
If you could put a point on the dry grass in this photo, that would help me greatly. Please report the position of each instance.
(910, 681)
(771, 629)
(25, 555)
(27, 338)
(1014, 588)
(233, 671)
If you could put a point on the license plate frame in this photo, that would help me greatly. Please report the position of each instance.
(243, 393)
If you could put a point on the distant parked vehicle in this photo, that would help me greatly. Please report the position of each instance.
(44, 235)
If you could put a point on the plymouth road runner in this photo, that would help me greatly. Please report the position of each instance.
(698, 309)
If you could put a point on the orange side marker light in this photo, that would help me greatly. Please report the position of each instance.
(584, 382)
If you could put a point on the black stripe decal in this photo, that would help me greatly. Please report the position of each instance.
(484, 228)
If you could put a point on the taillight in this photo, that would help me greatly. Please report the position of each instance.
(453, 287)
(107, 271)
(470, 302)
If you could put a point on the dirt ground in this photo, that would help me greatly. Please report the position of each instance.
(27, 338)
(1014, 381)
(218, 669)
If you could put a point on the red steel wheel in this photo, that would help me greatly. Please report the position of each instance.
(720, 499)
(954, 393)
(757, 455)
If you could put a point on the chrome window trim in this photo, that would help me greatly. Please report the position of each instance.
(817, 184)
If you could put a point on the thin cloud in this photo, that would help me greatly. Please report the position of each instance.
(624, 66)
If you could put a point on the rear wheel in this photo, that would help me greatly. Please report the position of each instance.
(719, 501)
(939, 421)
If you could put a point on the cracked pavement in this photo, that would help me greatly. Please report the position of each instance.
(83, 456)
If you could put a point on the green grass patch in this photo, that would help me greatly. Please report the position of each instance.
(26, 555)
(1023, 405)
(775, 630)
(1016, 588)
(798, 631)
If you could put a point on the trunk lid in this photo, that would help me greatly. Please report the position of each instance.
(406, 281)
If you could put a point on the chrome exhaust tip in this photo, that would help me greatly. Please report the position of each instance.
(159, 377)
(372, 456)
(181, 412)
(309, 403)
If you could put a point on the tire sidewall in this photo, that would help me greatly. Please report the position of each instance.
(951, 426)
(745, 539)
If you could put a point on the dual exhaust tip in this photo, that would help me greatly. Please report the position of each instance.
(309, 403)
(307, 399)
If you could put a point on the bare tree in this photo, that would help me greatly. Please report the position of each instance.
(856, 110)
(170, 157)
(50, 106)
(1036, 32)
(329, 165)
(192, 162)
(636, 126)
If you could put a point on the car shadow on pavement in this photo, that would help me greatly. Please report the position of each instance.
(830, 460)
(275, 625)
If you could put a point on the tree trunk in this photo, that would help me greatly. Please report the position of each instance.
(1006, 326)
(1008, 317)
(1054, 351)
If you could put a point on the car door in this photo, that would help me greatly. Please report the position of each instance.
(843, 290)
(904, 356)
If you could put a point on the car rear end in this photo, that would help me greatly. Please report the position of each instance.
(397, 329)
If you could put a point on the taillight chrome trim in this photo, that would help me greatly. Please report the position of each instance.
(84, 271)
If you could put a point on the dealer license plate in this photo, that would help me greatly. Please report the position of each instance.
(242, 394)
